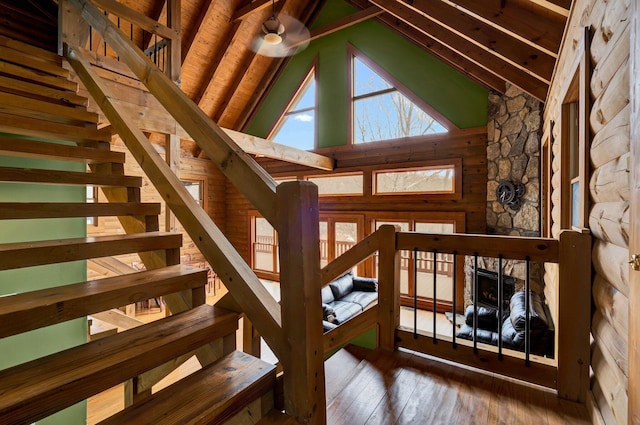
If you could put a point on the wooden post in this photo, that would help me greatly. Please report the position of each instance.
(174, 55)
(72, 28)
(574, 316)
(172, 152)
(299, 249)
(388, 287)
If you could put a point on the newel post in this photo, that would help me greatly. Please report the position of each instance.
(72, 28)
(299, 249)
(388, 287)
(574, 315)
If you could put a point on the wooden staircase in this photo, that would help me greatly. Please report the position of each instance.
(42, 117)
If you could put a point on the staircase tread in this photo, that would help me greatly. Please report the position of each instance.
(275, 417)
(25, 254)
(22, 210)
(36, 389)
(30, 49)
(22, 175)
(42, 78)
(36, 91)
(35, 149)
(18, 105)
(211, 395)
(33, 127)
(31, 310)
(27, 60)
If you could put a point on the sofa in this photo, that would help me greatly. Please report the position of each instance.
(345, 297)
(513, 323)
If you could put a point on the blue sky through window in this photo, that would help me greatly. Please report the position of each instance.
(297, 126)
(381, 112)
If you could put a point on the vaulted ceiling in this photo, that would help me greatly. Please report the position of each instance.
(493, 42)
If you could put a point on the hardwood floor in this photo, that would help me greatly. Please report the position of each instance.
(406, 388)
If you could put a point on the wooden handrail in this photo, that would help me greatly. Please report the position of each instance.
(356, 254)
(137, 18)
(242, 170)
(518, 248)
(249, 292)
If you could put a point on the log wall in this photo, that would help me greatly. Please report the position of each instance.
(608, 186)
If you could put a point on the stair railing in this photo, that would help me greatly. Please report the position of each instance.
(292, 330)
(567, 264)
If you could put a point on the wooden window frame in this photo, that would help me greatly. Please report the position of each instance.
(204, 187)
(329, 175)
(577, 90)
(311, 73)
(352, 53)
(455, 193)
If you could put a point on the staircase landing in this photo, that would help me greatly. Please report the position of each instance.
(407, 388)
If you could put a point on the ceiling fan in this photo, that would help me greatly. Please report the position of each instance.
(280, 36)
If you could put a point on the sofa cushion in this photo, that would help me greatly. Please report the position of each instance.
(327, 311)
(327, 295)
(363, 299)
(365, 284)
(537, 316)
(487, 318)
(345, 310)
(342, 285)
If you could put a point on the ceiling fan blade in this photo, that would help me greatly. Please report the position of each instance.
(295, 39)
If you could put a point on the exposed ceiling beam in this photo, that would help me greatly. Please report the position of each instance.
(444, 53)
(488, 60)
(532, 23)
(251, 8)
(487, 37)
(266, 148)
(558, 6)
(212, 67)
(196, 28)
(356, 18)
(232, 87)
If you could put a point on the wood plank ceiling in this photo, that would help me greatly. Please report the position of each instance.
(491, 41)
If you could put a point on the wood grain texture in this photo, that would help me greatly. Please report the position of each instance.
(34, 390)
(22, 210)
(32, 149)
(27, 311)
(237, 379)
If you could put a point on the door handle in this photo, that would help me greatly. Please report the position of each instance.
(635, 262)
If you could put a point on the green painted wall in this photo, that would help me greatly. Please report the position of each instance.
(24, 347)
(459, 99)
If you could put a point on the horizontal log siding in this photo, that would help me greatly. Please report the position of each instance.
(470, 148)
(608, 182)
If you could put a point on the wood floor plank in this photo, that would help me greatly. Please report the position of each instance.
(375, 379)
(427, 391)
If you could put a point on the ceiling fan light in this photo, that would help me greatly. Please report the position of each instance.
(273, 31)
(272, 38)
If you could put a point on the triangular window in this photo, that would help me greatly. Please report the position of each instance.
(381, 111)
(296, 127)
